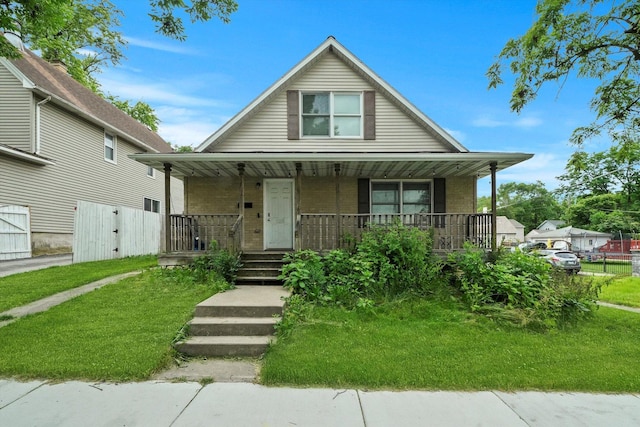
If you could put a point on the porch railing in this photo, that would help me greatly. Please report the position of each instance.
(329, 231)
(196, 232)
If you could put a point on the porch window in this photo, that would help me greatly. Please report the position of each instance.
(331, 114)
(400, 197)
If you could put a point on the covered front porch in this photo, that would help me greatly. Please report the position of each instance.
(323, 201)
(324, 232)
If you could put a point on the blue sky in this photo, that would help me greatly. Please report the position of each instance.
(434, 52)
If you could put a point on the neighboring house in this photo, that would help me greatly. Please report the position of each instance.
(327, 149)
(61, 143)
(509, 231)
(576, 239)
(550, 224)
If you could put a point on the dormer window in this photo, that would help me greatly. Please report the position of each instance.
(332, 114)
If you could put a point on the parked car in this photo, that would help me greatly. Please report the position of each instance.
(565, 260)
(531, 246)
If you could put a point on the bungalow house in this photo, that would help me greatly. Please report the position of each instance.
(326, 150)
(550, 224)
(59, 144)
(509, 231)
(575, 239)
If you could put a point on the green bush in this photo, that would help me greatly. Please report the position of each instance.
(390, 261)
(521, 288)
(217, 261)
(303, 274)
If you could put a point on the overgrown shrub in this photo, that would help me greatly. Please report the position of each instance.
(390, 261)
(521, 288)
(217, 261)
(303, 274)
(401, 259)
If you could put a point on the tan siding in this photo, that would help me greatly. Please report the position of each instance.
(267, 130)
(15, 112)
(80, 173)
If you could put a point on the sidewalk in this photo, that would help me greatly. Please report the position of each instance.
(15, 266)
(239, 404)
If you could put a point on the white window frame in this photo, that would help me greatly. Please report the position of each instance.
(152, 203)
(332, 115)
(151, 172)
(400, 189)
(114, 148)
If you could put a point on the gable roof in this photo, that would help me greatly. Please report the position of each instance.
(332, 45)
(567, 232)
(45, 79)
(554, 222)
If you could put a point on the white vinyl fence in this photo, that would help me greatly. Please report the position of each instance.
(15, 232)
(107, 232)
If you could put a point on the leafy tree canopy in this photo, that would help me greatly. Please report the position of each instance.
(598, 39)
(529, 204)
(141, 111)
(616, 170)
(83, 35)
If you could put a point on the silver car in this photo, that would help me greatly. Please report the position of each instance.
(562, 259)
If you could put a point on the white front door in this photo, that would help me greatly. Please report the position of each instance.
(278, 214)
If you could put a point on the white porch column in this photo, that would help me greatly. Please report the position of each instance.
(167, 207)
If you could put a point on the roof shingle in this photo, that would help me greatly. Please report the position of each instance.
(50, 80)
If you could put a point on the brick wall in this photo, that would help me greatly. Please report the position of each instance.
(317, 195)
(461, 194)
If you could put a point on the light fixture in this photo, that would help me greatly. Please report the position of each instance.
(258, 185)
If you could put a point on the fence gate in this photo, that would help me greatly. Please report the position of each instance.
(106, 232)
(15, 232)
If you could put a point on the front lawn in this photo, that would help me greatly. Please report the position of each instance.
(622, 290)
(24, 288)
(435, 346)
(120, 332)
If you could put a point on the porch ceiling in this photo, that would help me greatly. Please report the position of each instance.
(373, 165)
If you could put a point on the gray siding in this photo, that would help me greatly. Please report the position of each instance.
(15, 112)
(267, 130)
(80, 173)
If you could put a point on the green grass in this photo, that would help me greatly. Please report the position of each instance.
(611, 267)
(121, 332)
(24, 288)
(427, 345)
(623, 290)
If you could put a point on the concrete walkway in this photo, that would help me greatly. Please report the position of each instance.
(15, 266)
(53, 300)
(191, 404)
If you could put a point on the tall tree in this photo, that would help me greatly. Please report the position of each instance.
(616, 170)
(529, 204)
(598, 39)
(84, 35)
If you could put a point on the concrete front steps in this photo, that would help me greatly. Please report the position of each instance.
(260, 268)
(239, 322)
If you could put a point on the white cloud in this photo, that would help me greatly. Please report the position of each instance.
(165, 47)
(527, 122)
(486, 122)
(545, 167)
(521, 122)
(190, 133)
(158, 92)
(458, 135)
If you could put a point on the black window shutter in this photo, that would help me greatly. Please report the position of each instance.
(293, 111)
(439, 195)
(363, 195)
(369, 114)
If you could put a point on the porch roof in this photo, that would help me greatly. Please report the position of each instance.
(393, 165)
